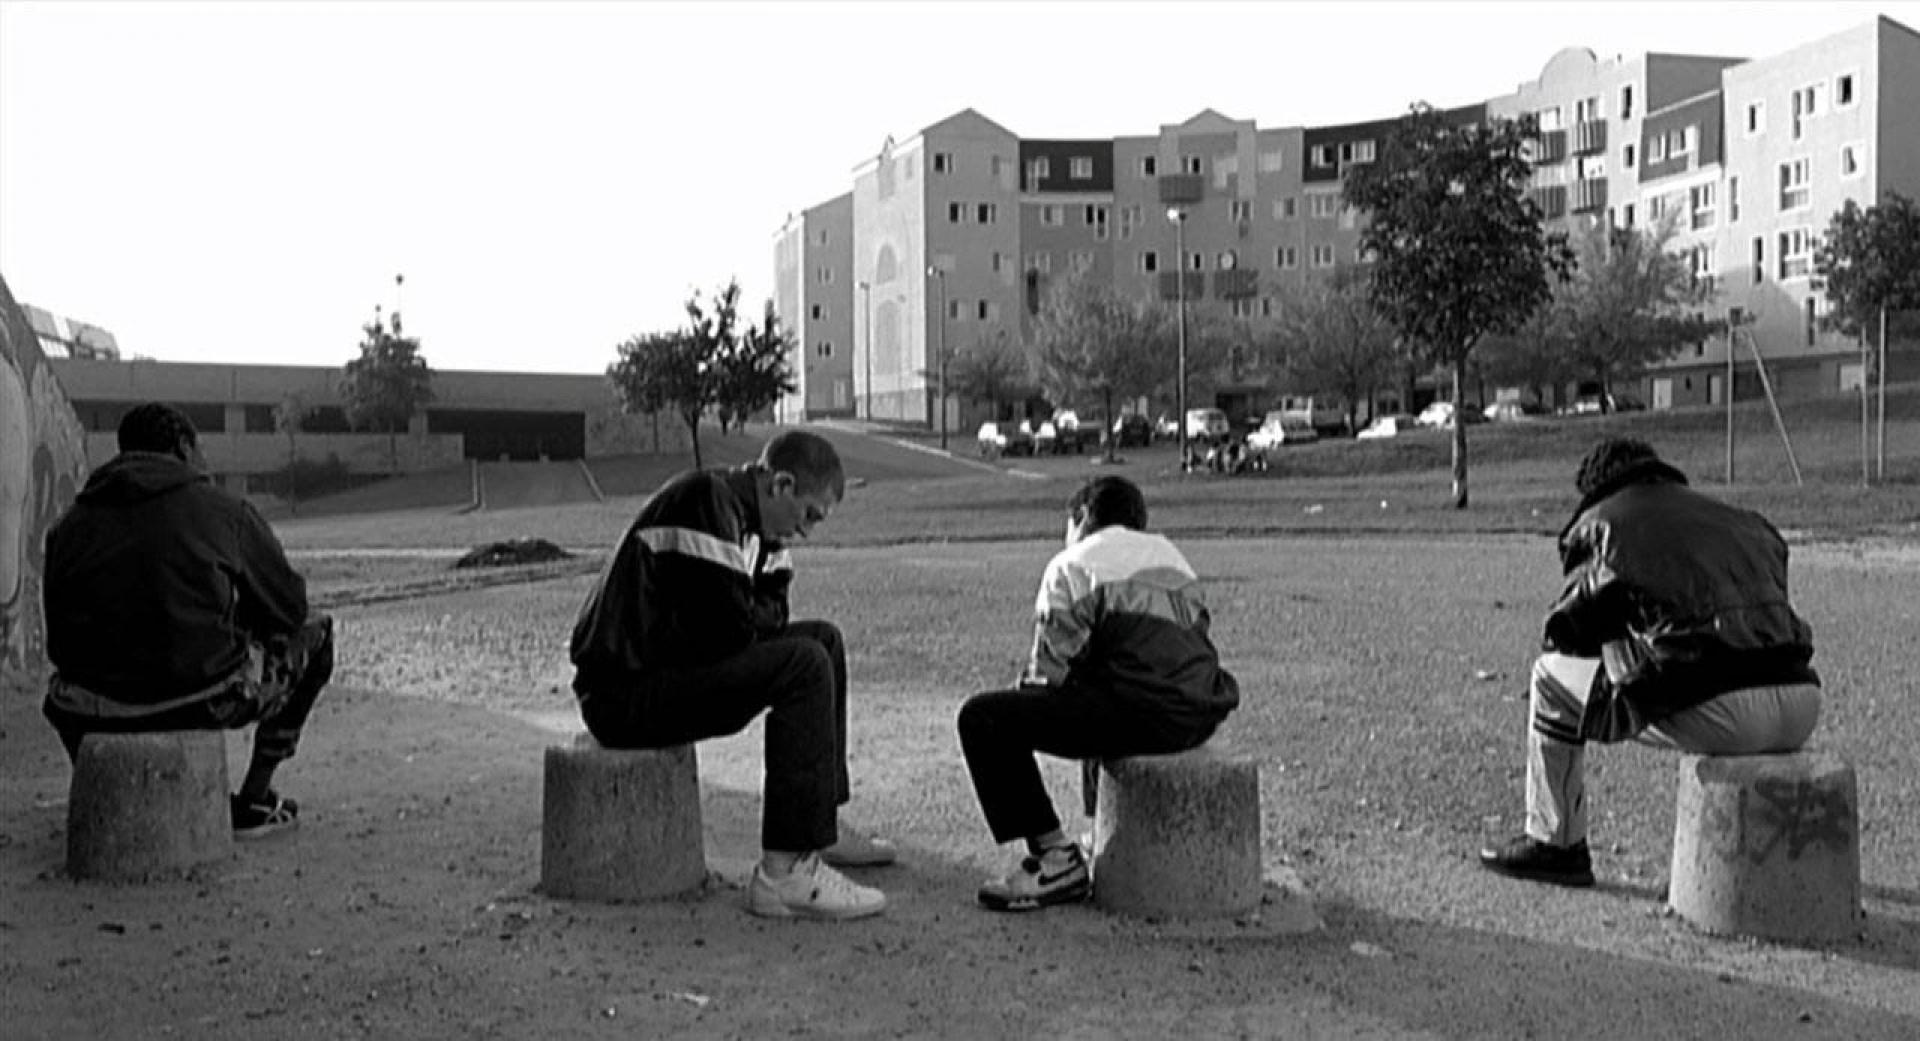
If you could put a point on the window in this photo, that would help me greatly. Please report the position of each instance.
(1082, 260)
(1626, 157)
(1796, 253)
(943, 162)
(1241, 307)
(1190, 164)
(956, 213)
(1323, 205)
(1272, 162)
(822, 237)
(1657, 148)
(1038, 169)
(1349, 217)
(998, 262)
(1286, 258)
(824, 350)
(1843, 91)
(1080, 168)
(1227, 260)
(1626, 102)
(1053, 216)
(1733, 199)
(1586, 110)
(1002, 169)
(1322, 255)
(1320, 155)
(953, 310)
(825, 275)
(1850, 160)
(987, 212)
(1656, 208)
(1813, 319)
(1706, 262)
(1806, 101)
(1794, 193)
(1285, 209)
(1680, 142)
(1759, 260)
(986, 312)
(1096, 218)
(1196, 261)
(1700, 199)
(1549, 118)
(1756, 118)
(1042, 262)
(1589, 167)
(1225, 169)
(1266, 307)
(1149, 262)
(1149, 166)
(819, 312)
(1626, 216)
(1240, 210)
(1356, 151)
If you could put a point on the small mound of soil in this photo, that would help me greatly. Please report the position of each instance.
(513, 552)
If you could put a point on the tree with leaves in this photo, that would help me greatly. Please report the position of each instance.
(1630, 302)
(1457, 250)
(389, 382)
(754, 370)
(1089, 340)
(659, 372)
(1330, 340)
(1869, 260)
(989, 369)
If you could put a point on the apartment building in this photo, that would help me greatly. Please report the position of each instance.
(813, 268)
(1746, 158)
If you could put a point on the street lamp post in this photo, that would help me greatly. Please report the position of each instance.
(1179, 218)
(866, 296)
(941, 403)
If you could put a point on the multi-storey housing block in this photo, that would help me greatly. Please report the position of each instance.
(813, 268)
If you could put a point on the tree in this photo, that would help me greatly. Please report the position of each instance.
(1457, 249)
(1331, 340)
(289, 417)
(1088, 340)
(1629, 303)
(754, 369)
(660, 371)
(1868, 260)
(990, 370)
(386, 384)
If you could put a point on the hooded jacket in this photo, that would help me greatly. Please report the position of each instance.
(1682, 597)
(692, 582)
(156, 581)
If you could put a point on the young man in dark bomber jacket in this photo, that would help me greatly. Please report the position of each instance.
(170, 606)
(1672, 628)
(686, 637)
(1121, 665)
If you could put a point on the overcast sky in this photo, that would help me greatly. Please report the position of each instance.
(230, 182)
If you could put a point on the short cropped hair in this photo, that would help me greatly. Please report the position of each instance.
(810, 458)
(1108, 501)
(1613, 460)
(155, 427)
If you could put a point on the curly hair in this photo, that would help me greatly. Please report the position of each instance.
(1611, 460)
(1110, 500)
(156, 427)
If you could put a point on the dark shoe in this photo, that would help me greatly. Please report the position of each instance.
(1535, 861)
(1058, 876)
(254, 820)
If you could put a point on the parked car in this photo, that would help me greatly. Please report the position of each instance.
(1207, 424)
(997, 439)
(1391, 424)
(1512, 411)
(1165, 428)
(1281, 428)
(1133, 431)
(1065, 433)
(1327, 416)
(1441, 413)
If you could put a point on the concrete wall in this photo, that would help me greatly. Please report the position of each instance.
(43, 461)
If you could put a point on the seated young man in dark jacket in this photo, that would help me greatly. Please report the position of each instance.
(1121, 665)
(170, 606)
(1672, 628)
(686, 637)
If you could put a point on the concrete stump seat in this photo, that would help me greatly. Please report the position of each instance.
(620, 826)
(148, 805)
(1768, 846)
(1178, 835)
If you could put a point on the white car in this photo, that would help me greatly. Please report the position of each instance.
(1279, 429)
(1207, 424)
(1390, 425)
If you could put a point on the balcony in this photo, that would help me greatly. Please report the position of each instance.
(1552, 200)
(1551, 148)
(1590, 195)
(1236, 284)
(1170, 286)
(1177, 188)
(1590, 137)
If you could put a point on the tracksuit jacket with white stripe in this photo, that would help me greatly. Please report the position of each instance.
(1121, 613)
(691, 583)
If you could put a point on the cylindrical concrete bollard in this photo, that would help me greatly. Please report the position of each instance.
(620, 826)
(1768, 846)
(148, 805)
(1178, 835)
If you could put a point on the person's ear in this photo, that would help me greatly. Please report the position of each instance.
(784, 483)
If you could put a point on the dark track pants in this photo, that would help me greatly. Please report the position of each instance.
(1001, 731)
(799, 679)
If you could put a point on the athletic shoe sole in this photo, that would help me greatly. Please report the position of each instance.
(1072, 894)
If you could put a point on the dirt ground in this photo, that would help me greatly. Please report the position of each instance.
(404, 905)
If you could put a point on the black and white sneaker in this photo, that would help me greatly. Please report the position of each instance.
(1057, 876)
(255, 820)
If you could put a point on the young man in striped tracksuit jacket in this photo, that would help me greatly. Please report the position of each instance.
(1121, 665)
(686, 636)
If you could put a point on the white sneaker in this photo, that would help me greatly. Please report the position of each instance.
(1058, 876)
(858, 849)
(811, 890)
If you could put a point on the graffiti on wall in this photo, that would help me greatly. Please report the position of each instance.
(42, 462)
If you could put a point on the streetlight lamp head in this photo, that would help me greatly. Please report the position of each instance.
(1176, 214)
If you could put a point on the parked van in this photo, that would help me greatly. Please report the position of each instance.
(1326, 415)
